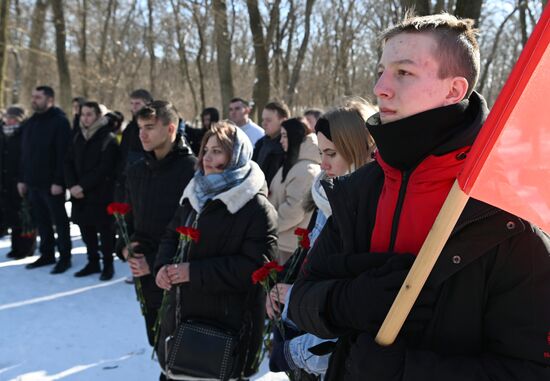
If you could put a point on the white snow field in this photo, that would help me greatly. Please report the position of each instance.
(58, 327)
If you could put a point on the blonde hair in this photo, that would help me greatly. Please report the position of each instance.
(225, 132)
(349, 132)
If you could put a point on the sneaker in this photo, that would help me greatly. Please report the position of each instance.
(108, 272)
(89, 269)
(61, 266)
(41, 261)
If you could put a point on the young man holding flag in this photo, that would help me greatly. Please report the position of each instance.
(485, 310)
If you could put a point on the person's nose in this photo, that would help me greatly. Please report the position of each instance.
(325, 166)
(383, 87)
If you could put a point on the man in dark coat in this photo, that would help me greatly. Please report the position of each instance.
(484, 312)
(90, 171)
(153, 188)
(131, 149)
(268, 151)
(23, 235)
(46, 136)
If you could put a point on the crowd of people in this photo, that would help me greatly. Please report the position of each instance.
(210, 204)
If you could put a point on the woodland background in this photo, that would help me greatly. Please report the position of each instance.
(310, 53)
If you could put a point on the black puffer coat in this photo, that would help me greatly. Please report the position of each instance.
(236, 232)
(153, 189)
(92, 165)
(10, 154)
(491, 318)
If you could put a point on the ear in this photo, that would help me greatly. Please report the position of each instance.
(172, 128)
(457, 91)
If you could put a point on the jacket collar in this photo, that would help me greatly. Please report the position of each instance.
(234, 198)
(179, 148)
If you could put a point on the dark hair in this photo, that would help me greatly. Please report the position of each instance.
(79, 100)
(15, 112)
(92, 105)
(47, 90)
(142, 94)
(279, 107)
(315, 112)
(213, 112)
(457, 48)
(296, 131)
(163, 110)
(115, 120)
(237, 99)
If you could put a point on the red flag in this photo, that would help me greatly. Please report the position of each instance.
(509, 166)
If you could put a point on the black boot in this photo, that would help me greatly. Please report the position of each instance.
(108, 271)
(43, 260)
(62, 265)
(24, 246)
(91, 267)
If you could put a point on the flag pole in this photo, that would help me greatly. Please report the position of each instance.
(423, 265)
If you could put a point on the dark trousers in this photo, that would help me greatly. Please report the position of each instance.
(107, 238)
(48, 211)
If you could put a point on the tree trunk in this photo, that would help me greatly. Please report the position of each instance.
(491, 56)
(469, 9)
(522, 4)
(261, 85)
(151, 47)
(4, 14)
(295, 78)
(83, 46)
(37, 32)
(439, 6)
(61, 54)
(102, 48)
(421, 7)
(183, 62)
(200, 53)
(223, 46)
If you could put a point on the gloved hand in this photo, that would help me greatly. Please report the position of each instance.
(362, 303)
(370, 361)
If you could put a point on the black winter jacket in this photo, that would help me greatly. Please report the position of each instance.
(10, 154)
(46, 138)
(153, 189)
(232, 245)
(92, 165)
(269, 155)
(131, 151)
(491, 318)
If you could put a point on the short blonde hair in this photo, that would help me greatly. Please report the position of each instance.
(349, 133)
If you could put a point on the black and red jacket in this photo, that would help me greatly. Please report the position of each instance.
(492, 316)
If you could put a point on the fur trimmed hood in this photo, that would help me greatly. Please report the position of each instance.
(234, 198)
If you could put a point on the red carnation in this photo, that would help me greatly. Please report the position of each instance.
(267, 271)
(119, 208)
(259, 275)
(273, 265)
(188, 234)
(303, 237)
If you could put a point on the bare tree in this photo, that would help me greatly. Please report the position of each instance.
(61, 54)
(223, 47)
(301, 54)
(151, 46)
(4, 14)
(421, 7)
(83, 42)
(469, 9)
(199, 20)
(35, 41)
(262, 84)
(522, 5)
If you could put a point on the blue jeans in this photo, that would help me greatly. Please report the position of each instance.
(49, 211)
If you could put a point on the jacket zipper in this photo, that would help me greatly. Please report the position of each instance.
(405, 176)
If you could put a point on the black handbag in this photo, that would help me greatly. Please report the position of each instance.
(199, 350)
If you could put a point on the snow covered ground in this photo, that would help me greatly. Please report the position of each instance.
(58, 327)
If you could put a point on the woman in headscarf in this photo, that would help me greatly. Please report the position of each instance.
(226, 201)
